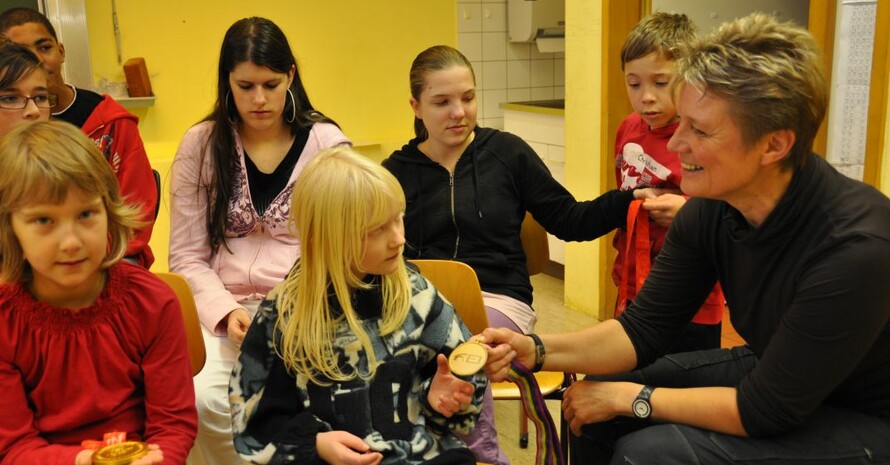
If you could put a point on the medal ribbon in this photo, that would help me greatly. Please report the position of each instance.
(549, 449)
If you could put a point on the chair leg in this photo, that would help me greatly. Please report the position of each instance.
(523, 427)
(564, 437)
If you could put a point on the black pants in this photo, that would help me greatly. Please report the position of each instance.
(831, 435)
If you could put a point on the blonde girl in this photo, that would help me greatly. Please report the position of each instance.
(346, 359)
(89, 344)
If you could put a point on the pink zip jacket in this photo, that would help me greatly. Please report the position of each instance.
(261, 250)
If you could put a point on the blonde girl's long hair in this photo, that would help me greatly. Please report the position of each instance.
(338, 198)
(40, 162)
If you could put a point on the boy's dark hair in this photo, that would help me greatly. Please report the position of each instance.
(660, 32)
(19, 16)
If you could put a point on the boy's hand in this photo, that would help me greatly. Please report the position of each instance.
(664, 208)
(448, 393)
(344, 448)
(237, 323)
(653, 192)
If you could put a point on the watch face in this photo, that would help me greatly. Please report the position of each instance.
(641, 408)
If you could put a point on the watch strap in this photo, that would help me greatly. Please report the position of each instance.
(539, 353)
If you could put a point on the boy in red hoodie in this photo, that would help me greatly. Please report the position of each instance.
(101, 118)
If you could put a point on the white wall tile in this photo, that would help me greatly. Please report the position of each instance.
(479, 72)
(493, 100)
(540, 149)
(542, 93)
(505, 71)
(480, 104)
(519, 74)
(519, 95)
(518, 51)
(542, 73)
(556, 154)
(558, 170)
(469, 17)
(495, 123)
(494, 75)
(470, 44)
(494, 17)
(494, 46)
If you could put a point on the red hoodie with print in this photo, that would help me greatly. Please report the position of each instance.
(114, 130)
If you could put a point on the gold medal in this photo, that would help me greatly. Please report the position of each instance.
(467, 359)
(120, 454)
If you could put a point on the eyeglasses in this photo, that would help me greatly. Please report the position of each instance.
(19, 102)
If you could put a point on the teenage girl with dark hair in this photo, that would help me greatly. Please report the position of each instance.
(231, 189)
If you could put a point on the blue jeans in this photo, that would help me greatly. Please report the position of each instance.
(830, 436)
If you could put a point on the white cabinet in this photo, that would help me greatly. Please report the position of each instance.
(542, 126)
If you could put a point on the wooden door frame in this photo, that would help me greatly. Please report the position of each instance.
(619, 17)
(875, 135)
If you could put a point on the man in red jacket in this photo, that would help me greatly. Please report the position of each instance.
(102, 119)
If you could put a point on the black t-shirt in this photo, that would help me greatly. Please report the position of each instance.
(85, 101)
(264, 187)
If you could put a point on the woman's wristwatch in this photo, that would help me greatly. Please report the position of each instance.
(539, 352)
(641, 406)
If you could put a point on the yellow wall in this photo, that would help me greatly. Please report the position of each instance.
(353, 55)
(583, 103)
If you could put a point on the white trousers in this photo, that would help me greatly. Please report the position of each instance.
(213, 445)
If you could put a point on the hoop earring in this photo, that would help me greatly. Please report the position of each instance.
(229, 111)
(293, 103)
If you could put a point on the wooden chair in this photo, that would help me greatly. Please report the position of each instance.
(458, 283)
(535, 245)
(157, 177)
(193, 334)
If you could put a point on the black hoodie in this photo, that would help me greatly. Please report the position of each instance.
(475, 215)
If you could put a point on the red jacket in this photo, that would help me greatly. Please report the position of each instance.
(115, 133)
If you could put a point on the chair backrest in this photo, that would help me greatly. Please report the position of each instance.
(535, 245)
(180, 286)
(157, 177)
(459, 284)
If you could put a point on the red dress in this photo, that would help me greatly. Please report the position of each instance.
(120, 365)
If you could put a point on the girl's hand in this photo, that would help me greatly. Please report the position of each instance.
(448, 393)
(343, 448)
(237, 323)
(664, 208)
(155, 455)
(508, 345)
(84, 457)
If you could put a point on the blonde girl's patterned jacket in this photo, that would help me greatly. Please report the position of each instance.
(276, 415)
